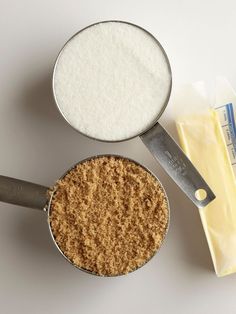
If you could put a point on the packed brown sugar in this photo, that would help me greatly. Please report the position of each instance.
(109, 215)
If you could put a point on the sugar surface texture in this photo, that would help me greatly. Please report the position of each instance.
(109, 215)
(111, 81)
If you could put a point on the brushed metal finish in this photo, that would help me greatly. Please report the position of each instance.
(160, 144)
(176, 164)
(22, 193)
(32, 195)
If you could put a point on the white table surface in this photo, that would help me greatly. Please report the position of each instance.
(37, 145)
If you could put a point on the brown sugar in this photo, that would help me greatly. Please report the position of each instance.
(109, 215)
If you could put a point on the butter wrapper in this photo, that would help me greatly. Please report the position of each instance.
(208, 141)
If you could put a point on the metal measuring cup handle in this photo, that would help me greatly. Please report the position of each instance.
(23, 193)
(177, 165)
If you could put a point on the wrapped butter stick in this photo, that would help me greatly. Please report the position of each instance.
(225, 105)
(202, 138)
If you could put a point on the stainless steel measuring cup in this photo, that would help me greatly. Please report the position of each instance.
(162, 146)
(27, 194)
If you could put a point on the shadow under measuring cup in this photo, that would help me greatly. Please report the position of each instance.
(111, 82)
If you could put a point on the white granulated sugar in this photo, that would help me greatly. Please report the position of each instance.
(111, 81)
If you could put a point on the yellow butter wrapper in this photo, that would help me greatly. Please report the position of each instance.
(202, 140)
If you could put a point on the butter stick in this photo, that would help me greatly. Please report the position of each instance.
(203, 142)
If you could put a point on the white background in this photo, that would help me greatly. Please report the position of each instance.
(37, 145)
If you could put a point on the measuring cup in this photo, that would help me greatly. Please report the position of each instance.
(159, 142)
(27, 194)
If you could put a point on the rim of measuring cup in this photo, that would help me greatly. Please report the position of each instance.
(137, 163)
(165, 103)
